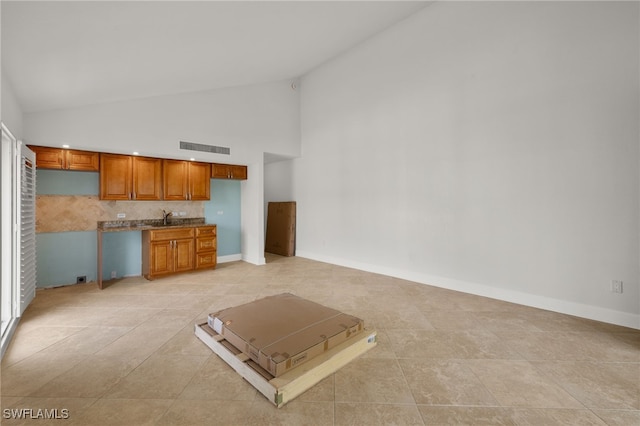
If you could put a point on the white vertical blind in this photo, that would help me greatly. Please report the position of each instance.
(27, 227)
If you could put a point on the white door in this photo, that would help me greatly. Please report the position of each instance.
(8, 180)
(17, 232)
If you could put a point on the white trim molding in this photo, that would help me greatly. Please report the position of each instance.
(595, 313)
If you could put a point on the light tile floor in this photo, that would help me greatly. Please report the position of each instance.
(127, 355)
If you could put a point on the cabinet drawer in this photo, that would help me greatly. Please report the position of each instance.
(171, 234)
(205, 231)
(205, 244)
(206, 260)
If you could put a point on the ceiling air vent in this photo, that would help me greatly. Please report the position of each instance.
(205, 148)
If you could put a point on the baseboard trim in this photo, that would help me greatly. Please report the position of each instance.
(596, 313)
(5, 341)
(259, 261)
(229, 258)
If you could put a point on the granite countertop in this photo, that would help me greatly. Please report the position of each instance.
(143, 224)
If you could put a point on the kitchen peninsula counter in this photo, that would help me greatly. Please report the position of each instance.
(141, 225)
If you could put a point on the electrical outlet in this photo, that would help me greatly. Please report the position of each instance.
(616, 286)
(113, 274)
(121, 215)
(183, 213)
(220, 212)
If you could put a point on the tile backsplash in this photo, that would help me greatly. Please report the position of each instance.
(65, 213)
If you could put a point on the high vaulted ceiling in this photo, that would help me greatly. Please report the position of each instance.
(68, 54)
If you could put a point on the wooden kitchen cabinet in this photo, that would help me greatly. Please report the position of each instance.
(186, 180)
(147, 178)
(228, 171)
(124, 177)
(172, 250)
(116, 177)
(160, 259)
(167, 251)
(66, 159)
(199, 181)
(206, 247)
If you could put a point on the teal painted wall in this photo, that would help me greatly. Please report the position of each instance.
(224, 210)
(63, 256)
(121, 252)
(63, 182)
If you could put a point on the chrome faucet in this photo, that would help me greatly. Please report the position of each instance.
(165, 216)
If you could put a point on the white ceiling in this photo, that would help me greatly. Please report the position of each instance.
(68, 54)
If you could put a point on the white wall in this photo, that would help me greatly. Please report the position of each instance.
(278, 181)
(247, 119)
(250, 120)
(489, 147)
(11, 113)
(278, 184)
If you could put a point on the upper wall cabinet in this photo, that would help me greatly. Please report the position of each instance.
(186, 180)
(66, 159)
(123, 177)
(228, 171)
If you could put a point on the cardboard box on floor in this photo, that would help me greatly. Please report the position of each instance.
(281, 228)
(283, 331)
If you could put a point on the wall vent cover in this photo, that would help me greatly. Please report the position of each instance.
(191, 146)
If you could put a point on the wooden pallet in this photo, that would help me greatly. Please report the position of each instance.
(282, 389)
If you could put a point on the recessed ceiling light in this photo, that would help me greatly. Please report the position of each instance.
(192, 159)
(136, 153)
(65, 146)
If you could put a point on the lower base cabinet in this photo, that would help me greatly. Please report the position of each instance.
(169, 251)
(206, 247)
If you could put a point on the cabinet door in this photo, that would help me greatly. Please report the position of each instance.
(228, 171)
(162, 257)
(184, 255)
(175, 179)
(199, 181)
(86, 161)
(147, 178)
(220, 171)
(238, 172)
(48, 158)
(115, 177)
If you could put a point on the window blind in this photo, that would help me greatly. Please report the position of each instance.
(27, 227)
